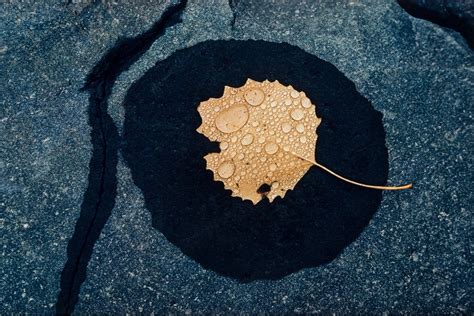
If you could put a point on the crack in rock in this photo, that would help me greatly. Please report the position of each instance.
(458, 16)
(233, 7)
(99, 198)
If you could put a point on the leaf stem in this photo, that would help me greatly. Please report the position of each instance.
(376, 187)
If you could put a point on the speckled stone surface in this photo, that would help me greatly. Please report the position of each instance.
(414, 256)
(46, 50)
(457, 15)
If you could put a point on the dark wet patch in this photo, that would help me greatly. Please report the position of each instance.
(313, 223)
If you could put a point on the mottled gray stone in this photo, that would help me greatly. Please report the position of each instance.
(413, 257)
(46, 50)
(457, 15)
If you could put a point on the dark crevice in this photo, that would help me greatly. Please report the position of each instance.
(233, 7)
(99, 198)
(440, 12)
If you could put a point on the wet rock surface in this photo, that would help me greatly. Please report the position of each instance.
(412, 256)
(457, 15)
(47, 50)
(312, 224)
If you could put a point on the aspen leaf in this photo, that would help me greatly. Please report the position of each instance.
(267, 137)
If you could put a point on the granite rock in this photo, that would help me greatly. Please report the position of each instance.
(414, 256)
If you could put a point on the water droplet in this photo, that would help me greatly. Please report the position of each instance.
(300, 128)
(286, 148)
(255, 123)
(303, 139)
(224, 145)
(306, 103)
(216, 109)
(273, 104)
(254, 97)
(226, 169)
(263, 106)
(275, 185)
(233, 139)
(271, 148)
(261, 139)
(297, 114)
(247, 139)
(288, 102)
(263, 159)
(232, 119)
(294, 94)
(273, 167)
(286, 127)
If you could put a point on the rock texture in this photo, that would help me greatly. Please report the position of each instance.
(414, 255)
(46, 52)
(457, 15)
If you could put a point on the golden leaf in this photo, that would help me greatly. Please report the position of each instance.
(267, 137)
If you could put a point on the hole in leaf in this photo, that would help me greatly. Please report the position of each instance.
(264, 189)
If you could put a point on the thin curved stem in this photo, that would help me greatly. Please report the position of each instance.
(376, 187)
